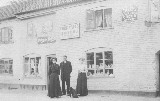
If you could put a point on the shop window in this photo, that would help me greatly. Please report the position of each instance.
(100, 64)
(32, 65)
(5, 35)
(99, 18)
(6, 66)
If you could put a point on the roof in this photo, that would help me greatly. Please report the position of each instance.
(28, 6)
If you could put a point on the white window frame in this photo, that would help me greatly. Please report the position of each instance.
(6, 66)
(8, 38)
(103, 67)
(35, 73)
(94, 19)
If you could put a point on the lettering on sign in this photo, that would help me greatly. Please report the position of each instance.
(130, 14)
(70, 31)
(45, 40)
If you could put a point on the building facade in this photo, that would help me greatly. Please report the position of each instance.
(118, 39)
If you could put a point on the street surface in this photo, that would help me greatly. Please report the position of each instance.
(26, 95)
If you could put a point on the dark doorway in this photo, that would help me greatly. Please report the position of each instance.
(48, 57)
(159, 74)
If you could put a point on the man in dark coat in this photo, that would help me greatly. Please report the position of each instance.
(66, 69)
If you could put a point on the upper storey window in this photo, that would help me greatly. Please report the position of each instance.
(99, 18)
(6, 35)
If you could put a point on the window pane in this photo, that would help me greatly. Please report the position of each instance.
(109, 63)
(10, 69)
(38, 59)
(10, 61)
(6, 62)
(108, 71)
(99, 63)
(26, 60)
(99, 58)
(6, 68)
(90, 60)
(108, 17)
(32, 66)
(90, 56)
(90, 63)
(90, 19)
(5, 34)
(99, 18)
(2, 67)
(108, 55)
(1, 61)
(10, 35)
(26, 69)
(1, 71)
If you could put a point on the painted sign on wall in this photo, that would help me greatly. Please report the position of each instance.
(130, 14)
(70, 31)
(31, 30)
(45, 40)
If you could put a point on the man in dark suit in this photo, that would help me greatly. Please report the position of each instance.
(66, 69)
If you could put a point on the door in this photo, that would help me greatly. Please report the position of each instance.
(48, 58)
(159, 76)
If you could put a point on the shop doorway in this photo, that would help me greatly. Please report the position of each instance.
(48, 61)
(158, 93)
(158, 74)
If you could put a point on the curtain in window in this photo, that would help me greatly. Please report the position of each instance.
(99, 18)
(26, 66)
(6, 35)
(39, 66)
(108, 17)
(90, 19)
(3, 34)
(10, 35)
(32, 66)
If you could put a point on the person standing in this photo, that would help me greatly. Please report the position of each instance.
(54, 89)
(81, 87)
(66, 69)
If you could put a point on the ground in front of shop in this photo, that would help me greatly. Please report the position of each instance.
(27, 95)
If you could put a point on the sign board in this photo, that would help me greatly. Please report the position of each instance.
(70, 31)
(45, 40)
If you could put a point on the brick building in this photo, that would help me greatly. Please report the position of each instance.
(119, 40)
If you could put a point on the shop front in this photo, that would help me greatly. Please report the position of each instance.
(119, 50)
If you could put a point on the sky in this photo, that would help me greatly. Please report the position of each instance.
(5, 2)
